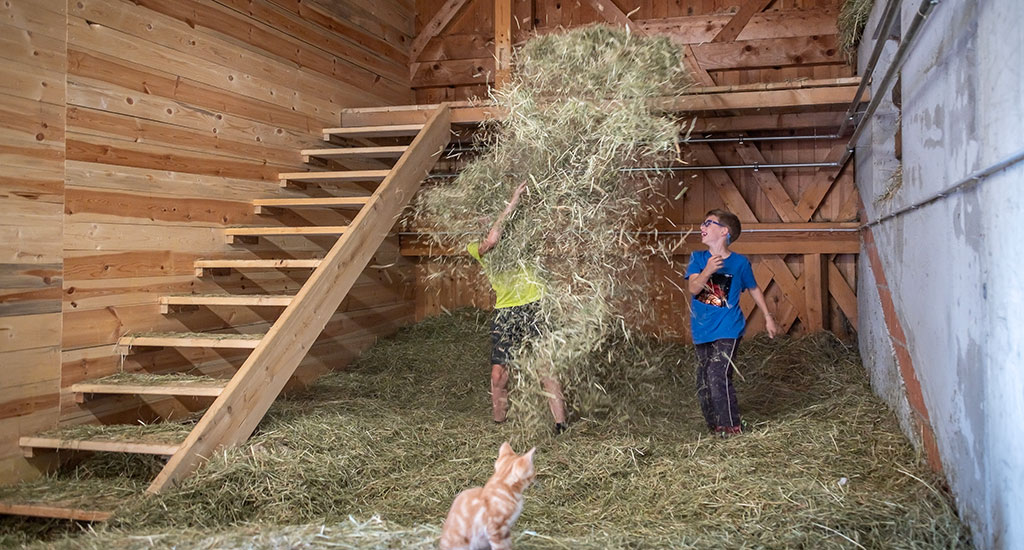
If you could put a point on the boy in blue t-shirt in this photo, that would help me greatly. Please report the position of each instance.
(715, 278)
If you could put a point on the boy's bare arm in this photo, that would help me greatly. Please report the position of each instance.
(770, 325)
(494, 234)
(696, 282)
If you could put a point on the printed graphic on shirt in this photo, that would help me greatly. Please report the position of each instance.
(716, 290)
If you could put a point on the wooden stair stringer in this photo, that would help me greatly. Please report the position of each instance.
(234, 415)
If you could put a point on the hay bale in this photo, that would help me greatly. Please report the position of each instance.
(578, 114)
(853, 17)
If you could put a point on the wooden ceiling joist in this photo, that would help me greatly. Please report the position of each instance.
(761, 99)
(614, 15)
(732, 29)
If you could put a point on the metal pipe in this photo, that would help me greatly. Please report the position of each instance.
(891, 10)
(755, 167)
(786, 230)
(972, 179)
(897, 62)
(735, 139)
(695, 231)
(741, 139)
(733, 167)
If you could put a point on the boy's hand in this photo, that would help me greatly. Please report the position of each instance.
(714, 264)
(519, 191)
(771, 327)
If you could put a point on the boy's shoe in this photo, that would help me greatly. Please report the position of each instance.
(561, 427)
(728, 431)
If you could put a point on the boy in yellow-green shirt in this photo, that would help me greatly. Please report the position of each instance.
(515, 319)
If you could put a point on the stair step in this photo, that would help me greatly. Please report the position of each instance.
(384, 151)
(55, 511)
(150, 385)
(251, 300)
(284, 263)
(231, 233)
(28, 443)
(189, 340)
(309, 202)
(335, 176)
(392, 130)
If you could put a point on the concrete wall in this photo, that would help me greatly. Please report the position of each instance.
(954, 267)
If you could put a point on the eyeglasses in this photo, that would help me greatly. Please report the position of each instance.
(707, 223)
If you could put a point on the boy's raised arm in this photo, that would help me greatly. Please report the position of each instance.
(494, 234)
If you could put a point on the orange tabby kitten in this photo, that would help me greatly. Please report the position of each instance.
(481, 518)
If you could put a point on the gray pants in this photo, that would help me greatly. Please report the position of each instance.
(715, 391)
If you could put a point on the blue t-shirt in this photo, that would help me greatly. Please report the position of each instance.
(715, 311)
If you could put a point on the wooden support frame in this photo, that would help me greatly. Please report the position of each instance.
(502, 42)
(816, 288)
(441, 19)
(614, 15)
(735, 25)
(238, 410)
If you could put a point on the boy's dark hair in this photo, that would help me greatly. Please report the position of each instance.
(729, 220)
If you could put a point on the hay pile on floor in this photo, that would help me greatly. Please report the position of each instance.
(408, 426)
(578, 114)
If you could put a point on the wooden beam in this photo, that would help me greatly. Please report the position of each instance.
(612, 14)
(769, 183)
(757, 239)
(433, 28)
(189, 340)
(204, 389)
(771, 53)
(804, 95)
(236, 413)
(842, 293)
(730, 194)
(787, 121)
(792, 290)
(735, 25)
(101, 445)
(698, 73)
(801, 98)
(816, 286)
(457, 72)
(698, 29)
(823, 181)
(54, 510)
(502, 42)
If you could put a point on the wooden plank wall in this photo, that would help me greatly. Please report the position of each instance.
(178, 114)
(792, 39)
(32, 67)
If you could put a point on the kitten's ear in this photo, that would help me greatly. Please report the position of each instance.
(505, 449)
(529, 455)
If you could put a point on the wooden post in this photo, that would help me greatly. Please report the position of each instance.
(816, 286)
(502, 41)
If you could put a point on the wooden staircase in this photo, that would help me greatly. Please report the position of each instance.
(241, 402)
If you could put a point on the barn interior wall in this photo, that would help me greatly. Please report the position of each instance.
(177, 114)
(790, 41)
(877, 169)
(952, 266)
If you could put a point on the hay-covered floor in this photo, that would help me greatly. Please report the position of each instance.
(372, 457)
